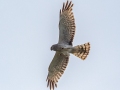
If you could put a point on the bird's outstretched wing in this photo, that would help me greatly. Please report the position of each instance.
(66, 24)
(56, 69)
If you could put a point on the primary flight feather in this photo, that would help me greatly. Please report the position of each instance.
(64, 46)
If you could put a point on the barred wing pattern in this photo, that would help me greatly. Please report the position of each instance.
(56, 69)
(66, 24)
(81, 51)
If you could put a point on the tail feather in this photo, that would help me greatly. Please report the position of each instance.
(81, 51)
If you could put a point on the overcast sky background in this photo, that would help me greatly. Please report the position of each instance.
(28, 28)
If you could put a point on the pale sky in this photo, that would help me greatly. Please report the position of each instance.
(28, 28)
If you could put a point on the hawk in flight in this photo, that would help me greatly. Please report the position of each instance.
(64, 46)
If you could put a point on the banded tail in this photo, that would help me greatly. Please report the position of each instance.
(81, 51)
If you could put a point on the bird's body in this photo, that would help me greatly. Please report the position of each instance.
(61, 48)
(64, 46)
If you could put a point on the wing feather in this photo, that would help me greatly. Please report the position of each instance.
(66, 24)
(56, 69)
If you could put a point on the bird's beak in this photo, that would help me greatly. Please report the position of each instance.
(51, 48)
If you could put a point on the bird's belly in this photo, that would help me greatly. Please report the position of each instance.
(66, 53)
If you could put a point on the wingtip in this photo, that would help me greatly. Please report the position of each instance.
(66, 6)
(52, 84)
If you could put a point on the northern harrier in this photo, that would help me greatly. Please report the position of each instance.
(64, 46)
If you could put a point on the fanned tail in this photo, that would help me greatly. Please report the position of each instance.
(81, 51)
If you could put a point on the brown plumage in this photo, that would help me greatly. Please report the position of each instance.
(56, 69)
(64, 47)
(81, 51)
(66, 24)
(66, 35)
